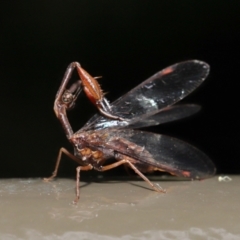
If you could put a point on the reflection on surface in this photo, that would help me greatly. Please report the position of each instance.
(33, 209)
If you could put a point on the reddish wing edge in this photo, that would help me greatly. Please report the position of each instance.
(155, 94)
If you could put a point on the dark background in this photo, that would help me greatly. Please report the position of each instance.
(125, 42)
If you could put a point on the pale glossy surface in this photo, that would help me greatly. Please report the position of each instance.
(32, 209)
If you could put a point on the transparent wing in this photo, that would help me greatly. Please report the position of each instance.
(167, 114)
(160, 91)
(161, 152)
(163, 89)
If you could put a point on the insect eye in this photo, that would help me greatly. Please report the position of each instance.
(67, 97)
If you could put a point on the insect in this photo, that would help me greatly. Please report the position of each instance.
(113, 134)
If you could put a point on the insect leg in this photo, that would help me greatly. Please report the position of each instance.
(65, 99)
(70, 155)
(105, 112)
(125, 161)
(94, 93)
(155, 187)
(66, 78)
(78, 169)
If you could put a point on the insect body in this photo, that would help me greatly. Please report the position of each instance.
(112, 133)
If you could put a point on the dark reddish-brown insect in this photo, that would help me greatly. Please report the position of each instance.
(112, 134)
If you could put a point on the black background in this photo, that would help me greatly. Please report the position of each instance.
(125, 42)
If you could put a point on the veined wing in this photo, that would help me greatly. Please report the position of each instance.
(163, 89)
(162, 152)
(167, 114)
(160, 91)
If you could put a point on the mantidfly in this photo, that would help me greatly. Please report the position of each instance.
(112, 134)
